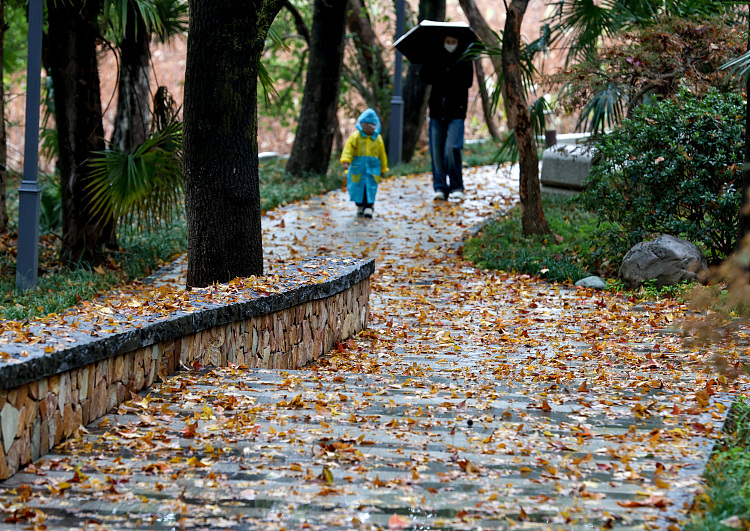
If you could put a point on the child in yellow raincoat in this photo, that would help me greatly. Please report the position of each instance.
(364, 158)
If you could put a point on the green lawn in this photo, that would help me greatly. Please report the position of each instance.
(565, 255)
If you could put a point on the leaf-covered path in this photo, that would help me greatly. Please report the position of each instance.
(476, 400)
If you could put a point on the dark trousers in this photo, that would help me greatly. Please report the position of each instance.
(446, 143)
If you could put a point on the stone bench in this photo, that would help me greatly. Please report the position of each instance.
(566, 166)
(62, 372)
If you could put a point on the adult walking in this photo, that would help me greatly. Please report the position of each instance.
(451, 76)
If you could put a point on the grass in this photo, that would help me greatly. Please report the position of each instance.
(61, 287)
(727, 496)
(563, 256)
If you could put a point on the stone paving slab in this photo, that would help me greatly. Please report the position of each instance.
(477, 400)
(379, 455)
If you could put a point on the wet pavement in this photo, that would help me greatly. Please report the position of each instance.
(476, 400)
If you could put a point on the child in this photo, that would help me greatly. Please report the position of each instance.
(364, 157)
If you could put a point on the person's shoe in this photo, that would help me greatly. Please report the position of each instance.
(367, 212)
(457, 194)
(439, 195)
(360, 211)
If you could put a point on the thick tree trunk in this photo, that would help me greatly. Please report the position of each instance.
(486, 100)
(519, 119)
(78, 114)
(133, 119)
(317, 125)
(222, 194)
(3, 137)
(416, 92)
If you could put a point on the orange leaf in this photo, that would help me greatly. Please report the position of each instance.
(398, 522)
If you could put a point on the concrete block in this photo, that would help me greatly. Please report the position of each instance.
(566, 166)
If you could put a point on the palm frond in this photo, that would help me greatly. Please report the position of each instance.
(604, 109)
(538, 109)
(739, 67)
(173, 15)
(116, 14)
(269, 90)
(144, 186)
(276, 40)
(508, 149)
(527, 54)
(582, 23)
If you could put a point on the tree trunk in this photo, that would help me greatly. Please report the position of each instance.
(78, 114)
(317, 125)
(133, 119)
(416, 92)
(486, 101)
(483, 30)
(3, 137)
(519, 120)
(222, 194)
(744, 214)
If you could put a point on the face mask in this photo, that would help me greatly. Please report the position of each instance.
(451, 47)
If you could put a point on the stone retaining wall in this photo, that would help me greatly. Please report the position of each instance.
(73, 388)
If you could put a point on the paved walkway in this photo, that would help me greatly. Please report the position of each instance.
(476, 400)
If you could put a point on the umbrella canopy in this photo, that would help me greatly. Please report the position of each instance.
(423, 42)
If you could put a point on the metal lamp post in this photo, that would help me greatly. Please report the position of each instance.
(397, 102)
(29, 193)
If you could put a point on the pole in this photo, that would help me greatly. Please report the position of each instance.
(397, 102)
(29, 193)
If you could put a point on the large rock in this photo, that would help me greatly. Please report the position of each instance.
(666, 260)
(566, 166)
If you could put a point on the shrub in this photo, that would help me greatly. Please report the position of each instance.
(673, 168)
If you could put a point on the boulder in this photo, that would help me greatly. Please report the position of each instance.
(566, 166)
(667, 260)
(592, 282)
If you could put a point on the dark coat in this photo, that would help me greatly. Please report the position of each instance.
(450, 80)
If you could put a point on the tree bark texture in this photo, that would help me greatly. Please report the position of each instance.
(78, 114)
(416, 92)
(133, 118)
(222, 194)
(486, 100)
(519, 120)
(317, 125)
(3, 134)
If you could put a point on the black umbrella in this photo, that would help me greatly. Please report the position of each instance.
(423, 42)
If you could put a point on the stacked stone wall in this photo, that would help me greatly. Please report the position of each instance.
(37, 415)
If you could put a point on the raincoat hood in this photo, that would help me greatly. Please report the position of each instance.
(369, 116)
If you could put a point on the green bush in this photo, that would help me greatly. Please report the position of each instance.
(671, 169)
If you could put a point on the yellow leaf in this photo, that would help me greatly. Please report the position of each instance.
(321, 410)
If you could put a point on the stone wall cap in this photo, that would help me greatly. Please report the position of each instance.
(115, 323)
